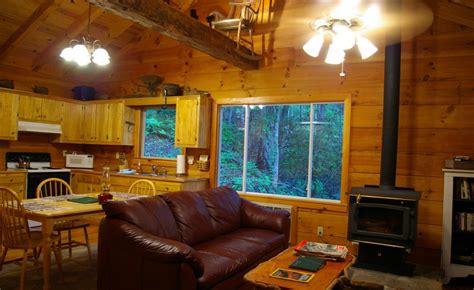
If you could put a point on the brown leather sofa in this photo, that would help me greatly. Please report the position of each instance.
(186, 240)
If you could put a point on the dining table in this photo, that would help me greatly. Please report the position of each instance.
(50, 210)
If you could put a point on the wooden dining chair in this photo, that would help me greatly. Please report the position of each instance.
(58, 187)
(143, 187)
(16, 233)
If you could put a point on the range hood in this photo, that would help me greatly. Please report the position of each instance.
(38, 127)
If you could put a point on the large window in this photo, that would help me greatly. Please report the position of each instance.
(290, 150)
(158, 133)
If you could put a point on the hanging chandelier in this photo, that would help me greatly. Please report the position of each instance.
(346, 28)
(86, 52)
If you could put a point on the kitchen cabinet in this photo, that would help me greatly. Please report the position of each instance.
(458, 223)
(71, 126)
(40, 109)
(8, 116)
(193, 115)
(15, 181)
(86, 182)
(98, 123)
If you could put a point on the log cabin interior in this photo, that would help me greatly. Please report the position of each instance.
(171, 42)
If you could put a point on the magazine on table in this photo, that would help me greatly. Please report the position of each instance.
(325, 251)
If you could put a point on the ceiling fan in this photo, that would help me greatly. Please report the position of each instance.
(350, 23)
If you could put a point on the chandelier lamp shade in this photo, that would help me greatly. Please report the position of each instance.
(87, 51)
(345, 27)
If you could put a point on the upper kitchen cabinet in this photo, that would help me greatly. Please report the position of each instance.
(193, 115)
(71, 125)
(40, 109)
(8, 115)
(106, 123)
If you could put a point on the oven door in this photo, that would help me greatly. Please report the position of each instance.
(35, 178)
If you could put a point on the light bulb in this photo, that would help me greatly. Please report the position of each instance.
(67, 54)
(81, 55)
(344, 37)
(366, 47)
(335, 55)
(313, 46)
(372, 17)
(100, 56)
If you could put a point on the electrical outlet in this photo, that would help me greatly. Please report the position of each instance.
(64, 153)
(117, 155)
(320, 231)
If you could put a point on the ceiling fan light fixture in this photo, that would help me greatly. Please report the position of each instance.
(335, 55)
(314, 44)
(366, 47)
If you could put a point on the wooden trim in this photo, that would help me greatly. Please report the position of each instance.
(455, 13)
(29, 26)
(151, 101)
(346, 98)
(282, 99)
(174, 24)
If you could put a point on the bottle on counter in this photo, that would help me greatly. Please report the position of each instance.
(105, 186)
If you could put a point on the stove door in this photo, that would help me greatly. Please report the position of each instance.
(35, 178)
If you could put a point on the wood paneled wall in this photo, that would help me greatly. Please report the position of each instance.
(437, 99)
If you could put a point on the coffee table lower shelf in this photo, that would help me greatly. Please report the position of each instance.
(323, 278)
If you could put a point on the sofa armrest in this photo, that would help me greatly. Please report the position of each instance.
(254, 215)
(123, 236)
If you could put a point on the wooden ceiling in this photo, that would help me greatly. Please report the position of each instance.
(35, 31)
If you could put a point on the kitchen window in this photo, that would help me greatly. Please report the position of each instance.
(286, 150)
(158, 133)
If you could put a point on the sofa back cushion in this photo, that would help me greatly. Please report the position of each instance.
(191, 215)
(151, 214)
(223, 204)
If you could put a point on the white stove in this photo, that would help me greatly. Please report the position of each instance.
(39, 169)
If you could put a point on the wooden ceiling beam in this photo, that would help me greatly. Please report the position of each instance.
(173, 23)
(54, 49)
(29, 26)
(467, 3)
(447, 10)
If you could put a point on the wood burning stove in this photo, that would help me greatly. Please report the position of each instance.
(383, 219)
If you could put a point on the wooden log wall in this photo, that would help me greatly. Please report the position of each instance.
(437, 100)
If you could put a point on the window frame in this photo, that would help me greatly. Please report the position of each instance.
(141, 142)
(283, 100)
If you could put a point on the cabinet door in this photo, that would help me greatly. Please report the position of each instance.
(103, 119)
(71, 125)
(30, 108)
(8, 116)
(90, 131)
(186, 122)
(52, 111)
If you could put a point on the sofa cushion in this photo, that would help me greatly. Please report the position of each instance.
(191, 215)
(271, 240)
(151, 214)
(224, 256)
(223, 204)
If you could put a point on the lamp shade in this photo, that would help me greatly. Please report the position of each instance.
(335, 55)
(100, 56)
(81, 55)
(67, 54)
(313, 46)
(344, 37)
(366, 47)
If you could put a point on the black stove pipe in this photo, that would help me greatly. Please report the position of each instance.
(391, 102)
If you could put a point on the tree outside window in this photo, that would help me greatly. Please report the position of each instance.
(158, 133)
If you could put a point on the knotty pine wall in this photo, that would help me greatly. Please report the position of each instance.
(437, 101)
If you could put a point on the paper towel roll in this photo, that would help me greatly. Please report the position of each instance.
(180, 165)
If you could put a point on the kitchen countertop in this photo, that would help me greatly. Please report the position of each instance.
(169, 178)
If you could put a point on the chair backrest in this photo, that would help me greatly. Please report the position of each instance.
(53, 187)
(142, 186)
(14, 225)
(244, 9)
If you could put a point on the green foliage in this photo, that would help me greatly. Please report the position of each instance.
(158, 134)
(278, 148)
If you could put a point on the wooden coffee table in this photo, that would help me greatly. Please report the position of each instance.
(323, 278)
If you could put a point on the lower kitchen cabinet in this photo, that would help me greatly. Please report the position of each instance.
(87, 182)
(15, 181)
